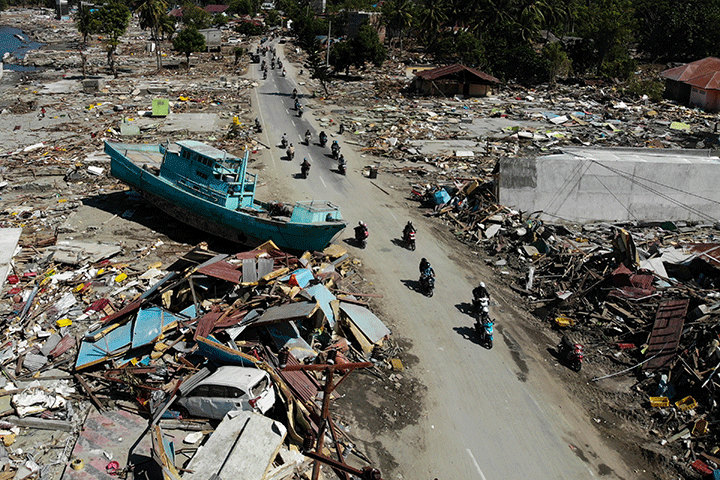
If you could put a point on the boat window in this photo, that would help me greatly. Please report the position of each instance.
(201, 175)
(184, 153)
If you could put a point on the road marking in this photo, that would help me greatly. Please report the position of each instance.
(323, 181)
(472, 457)
(262, 122)
(393, 215)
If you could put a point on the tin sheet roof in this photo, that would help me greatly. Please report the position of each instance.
(448, 70)
(704, 73)
(665, 335)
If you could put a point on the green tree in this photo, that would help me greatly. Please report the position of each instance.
(188, 41)
(112, 20)
(151, 13)
(317, 67)
(341, 56)
(367, 47)
(167, 26)
(398, 16)
(239, 52)
(84, 22)
(273, 18)
(194, 16)
(243, 7)
(433, 17)
(557, 60)
(609, 25)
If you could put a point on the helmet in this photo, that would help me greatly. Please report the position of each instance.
(424, 260)
(361, 223)
(482, 285)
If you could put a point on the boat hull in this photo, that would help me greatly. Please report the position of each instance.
(234, 225)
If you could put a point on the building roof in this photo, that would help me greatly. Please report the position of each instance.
(449, 70)
(216, 8)
(704, 74)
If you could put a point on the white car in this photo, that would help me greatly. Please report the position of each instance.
(228, 388)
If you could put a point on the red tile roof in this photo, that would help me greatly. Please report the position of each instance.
(440, 72)
(703, 73)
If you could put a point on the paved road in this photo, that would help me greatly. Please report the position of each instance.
(490, 414)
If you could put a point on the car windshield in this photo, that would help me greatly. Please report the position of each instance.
(260, 387)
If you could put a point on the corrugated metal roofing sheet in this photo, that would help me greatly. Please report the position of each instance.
(704, 73)
(370, 325)
(222, 270)
(666, 332)
(447, 70)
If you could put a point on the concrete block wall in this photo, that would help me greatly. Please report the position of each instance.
(588, 185)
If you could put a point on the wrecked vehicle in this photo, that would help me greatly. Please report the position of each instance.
(212, 395)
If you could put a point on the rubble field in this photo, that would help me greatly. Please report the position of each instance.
(92, 261)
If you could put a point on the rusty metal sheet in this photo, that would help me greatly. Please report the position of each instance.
(223, 271)
(710, 252)
(206, 323)
(448, 70)
(665, 335)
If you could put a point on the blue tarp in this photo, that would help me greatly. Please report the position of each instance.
(302, 275)
(94, 352)
(150, 322)
(323, 297)
(441, 196)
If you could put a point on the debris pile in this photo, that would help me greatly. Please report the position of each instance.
(95, 342)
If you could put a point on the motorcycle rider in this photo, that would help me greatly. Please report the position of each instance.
(258, 127)
(409, 228)
(265, 75)
(283, 72)
(480, 292)
(294, 94)
(291, 152)
(335, 148)
(342, 164)
(426, 269)
(308, 137)
(361, 231)
(284, 140)
(323, 138)
(305, 167)
(300, 111)
(341, 129)
(297, 104)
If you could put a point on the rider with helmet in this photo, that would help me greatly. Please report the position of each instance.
(480, 291)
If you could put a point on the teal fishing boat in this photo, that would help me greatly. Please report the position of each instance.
(211, 190)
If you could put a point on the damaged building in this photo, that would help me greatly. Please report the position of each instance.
(454, 79)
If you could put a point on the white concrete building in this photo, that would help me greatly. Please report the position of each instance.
(614, 184)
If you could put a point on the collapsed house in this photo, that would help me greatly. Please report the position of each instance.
(454, 79)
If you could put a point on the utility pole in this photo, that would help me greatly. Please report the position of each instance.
(327, 54)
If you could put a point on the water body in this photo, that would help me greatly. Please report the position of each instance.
(10, 43)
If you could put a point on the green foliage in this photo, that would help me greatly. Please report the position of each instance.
(248, 28)
(219, 20)
(462, 48)
(188, 41)
(273, 18)
(653, 88)
(239, 52)
(194, 16)
(317, 67)
(243, 7)
(678, 31)
(609, 25)
(519, 63)
(366, 47)
(151, 16)
(557, 60)
(166, 28)
(111, 20)
(3, 4)
(84, 22)
(398, 16)
(341, 56)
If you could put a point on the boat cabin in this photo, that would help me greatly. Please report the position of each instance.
(315, 212)
(210, 173)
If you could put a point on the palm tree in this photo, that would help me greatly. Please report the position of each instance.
(151, 15)
(399, 15)
(433, 18)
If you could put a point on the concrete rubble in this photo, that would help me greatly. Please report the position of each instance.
(72, 285)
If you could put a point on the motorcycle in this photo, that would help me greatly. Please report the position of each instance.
(308, 138)
(283, 72)
(409, 239)
(427, 282)
(265, 75)
(342, 129)
(305, 169)
(290, 154)
(483, 322)
(300, 112)
(258, 127)
(323, 140)
(335, 151)
(284, 142)
(297, 105)
(342, 166)
(571, 352)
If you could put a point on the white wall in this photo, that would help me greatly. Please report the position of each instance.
(584, 185)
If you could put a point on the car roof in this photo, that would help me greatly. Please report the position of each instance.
(241, 377)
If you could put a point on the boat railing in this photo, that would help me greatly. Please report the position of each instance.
(215, 196)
